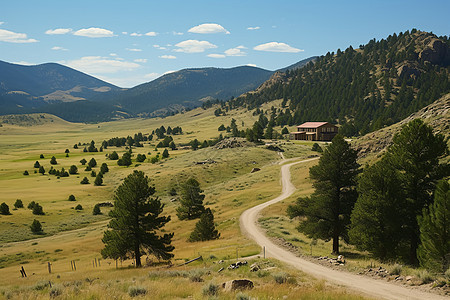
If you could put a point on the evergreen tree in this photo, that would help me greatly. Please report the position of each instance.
(4, 209)
(375, 223)
(26, 173)
(31, 205)
(141, 157)
(37, 165)
(53, 161)
(36, 227)
(98, 180)
(18, 204)
(37, 209)
(125, 160)
(194, 144)
(285, 131)
(165, 153)
(328, 209)
(42, 170)
(73, 169)
(104, 168)
(434, 224)
(136, 223)
(85, 181)
(79, 207)
(92, 163)
(93, 174)
(96, 210)
(415, 153)
(83, 161)
(41, 156)
(316, 147)
(205, 229)
(172, 145)
(71, 198)
(67, 151)
(113, 156)
(191, 202)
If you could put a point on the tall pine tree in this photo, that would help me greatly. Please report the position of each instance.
(134, 229)
(205, 228)
(434, 250)
(191, 202)
(328, 209)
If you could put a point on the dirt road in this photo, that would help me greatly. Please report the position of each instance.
(371, 287)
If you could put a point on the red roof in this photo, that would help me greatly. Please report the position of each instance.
(312, 124)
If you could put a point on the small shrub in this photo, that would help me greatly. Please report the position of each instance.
(210, 289)
(93, 174)
(425, 276)
(26, 173)
(196, 275)
(88, 168)
(83, 161)
(280, 278)
(41, 156)
(79, 207)
(53, 161)
(31, 205)
(73, 169)
(72, 198)
(84, 181)
(396, 269)
(242, 296)
(55, 291)
(38, 210)
(40, 285)
(134, 291)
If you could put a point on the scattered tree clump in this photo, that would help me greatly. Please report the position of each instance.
(125, 160)
(113, 156)
(18, 204)
(141, 158)
(4, 209)
(37, 209)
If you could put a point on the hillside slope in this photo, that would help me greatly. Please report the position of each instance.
(436, 115)
(187, 88)
(362, 89)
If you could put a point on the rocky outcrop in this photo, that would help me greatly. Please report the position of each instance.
(436, 52)
(232, 143)
(237, 284)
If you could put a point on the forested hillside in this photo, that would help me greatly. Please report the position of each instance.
(362, 89)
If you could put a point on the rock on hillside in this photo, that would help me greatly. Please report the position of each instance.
(436, 114)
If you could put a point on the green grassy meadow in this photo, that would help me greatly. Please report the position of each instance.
(75, 235)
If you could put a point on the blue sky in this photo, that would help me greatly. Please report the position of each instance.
(132, 42)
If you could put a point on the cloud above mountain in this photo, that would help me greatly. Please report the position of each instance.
(208, 28)
(101, 65)
(94, 32)
(58, 31)
(277, 47)
(14, 37)
(194, 46)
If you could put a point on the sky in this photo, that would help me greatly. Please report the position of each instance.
(131, 42)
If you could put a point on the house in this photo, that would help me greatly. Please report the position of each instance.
(315, 131)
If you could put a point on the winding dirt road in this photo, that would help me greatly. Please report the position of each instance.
(366, 285)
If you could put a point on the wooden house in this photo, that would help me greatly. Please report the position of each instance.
(315, 131)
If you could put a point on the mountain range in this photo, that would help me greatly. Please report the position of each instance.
(76, 96)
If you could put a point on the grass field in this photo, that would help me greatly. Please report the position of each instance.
(72, 235)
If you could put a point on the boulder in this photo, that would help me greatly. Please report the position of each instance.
(237, 284)
(254, 267)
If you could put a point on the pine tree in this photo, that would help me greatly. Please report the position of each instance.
(205, 229)
(83, 161)
(73, 169)
(328, 209)
(125, 160)
(165, 153)
(92, 163)
(375, 225)
(85, 181)
(71, 198)
(136, 222)
(37, 209)
(434, 225)
(98, 180)
(113, 156)
(96, 210)
(36, 227)
(42, 170)
(4, 209)
(104, 168)
(53, 161)
(415, 153)
(37, 165)
(18, 204)
(191, 202)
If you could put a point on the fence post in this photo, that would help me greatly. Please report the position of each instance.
(49, 265)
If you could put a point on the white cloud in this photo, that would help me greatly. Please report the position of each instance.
(277, 47)
(140, 60)
(113, 54)
(253, 28)
(216, 55)
(136, 34)
(124, 32)
(151, 75)
(94, 32)
(241, 47)
(58, 31)
(134, 49)
(194, 46)
(24, 63)
(168, 56)
(208, 28)
(235, 52)
(169, 72)
(159, 47)
(251, 65)
(1, 23)
(151, 33)
(101, 65)
(13, 37)
(59, 48)
(177, 33)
